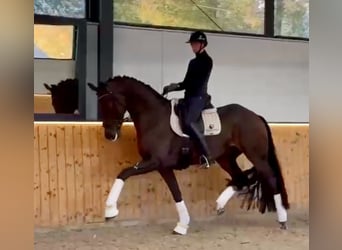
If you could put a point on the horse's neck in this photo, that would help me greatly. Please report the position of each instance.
(144, 106)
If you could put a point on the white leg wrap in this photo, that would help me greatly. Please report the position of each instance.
(225, 196)
(281, 211)
(184, 218)
(111, 203)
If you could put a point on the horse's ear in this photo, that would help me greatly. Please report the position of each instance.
(92, 87)
(48, 87)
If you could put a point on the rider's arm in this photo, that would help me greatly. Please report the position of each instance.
(187, 78)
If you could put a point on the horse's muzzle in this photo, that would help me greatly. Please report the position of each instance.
(111, 134)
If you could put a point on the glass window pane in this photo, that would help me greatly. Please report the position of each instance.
(292, 18)
(245, 16)
(66, 8)
(53, 41)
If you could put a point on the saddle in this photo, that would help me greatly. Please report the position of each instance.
(209, 122)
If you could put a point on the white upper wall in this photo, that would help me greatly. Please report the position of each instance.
(51, 72)
(267, 76)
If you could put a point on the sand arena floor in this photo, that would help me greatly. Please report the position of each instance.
(248, 230)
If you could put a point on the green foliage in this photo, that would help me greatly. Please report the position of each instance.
(291, 16)
(67, 8)
(227, 15)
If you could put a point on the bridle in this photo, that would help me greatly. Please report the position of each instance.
(104, 95)
(113, 122)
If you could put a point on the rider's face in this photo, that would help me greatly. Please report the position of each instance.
(196, 46)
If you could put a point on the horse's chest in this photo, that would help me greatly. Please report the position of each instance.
(143, 146)
(149, 145)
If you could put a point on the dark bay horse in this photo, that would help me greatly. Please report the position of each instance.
(163, 150)
(64, 96)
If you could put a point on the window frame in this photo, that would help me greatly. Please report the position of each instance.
(80, 36)
(93, 9)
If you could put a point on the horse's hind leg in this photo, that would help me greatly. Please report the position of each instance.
(239, 180)
(229, 164)
(270, 189)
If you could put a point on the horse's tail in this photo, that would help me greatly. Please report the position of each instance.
(275, 165)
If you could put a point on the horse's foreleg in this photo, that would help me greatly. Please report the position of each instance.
(142, 167)
(184, 218)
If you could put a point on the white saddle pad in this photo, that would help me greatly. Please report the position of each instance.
(211, 121)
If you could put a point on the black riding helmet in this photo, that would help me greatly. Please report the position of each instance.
(198, 36)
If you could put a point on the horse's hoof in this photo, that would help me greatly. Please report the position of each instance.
(180, 229)
(109, 218)
(220, 211)
(111, 212)
(176, 233)
(283, 225)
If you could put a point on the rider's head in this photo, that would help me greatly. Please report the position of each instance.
(198, 41)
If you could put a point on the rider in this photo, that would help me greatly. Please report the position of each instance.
(195, 86)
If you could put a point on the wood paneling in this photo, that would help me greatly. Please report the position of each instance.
(75, 168)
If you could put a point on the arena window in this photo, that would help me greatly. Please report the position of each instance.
(54, 41)
(250, 17)
(291, 18)
(233, 15)
(65, 8)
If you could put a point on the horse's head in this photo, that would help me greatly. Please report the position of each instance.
(64, 96)
(113, 108)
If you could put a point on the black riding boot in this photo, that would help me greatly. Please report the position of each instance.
(206, 159)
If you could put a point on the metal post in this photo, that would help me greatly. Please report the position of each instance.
(105, 41)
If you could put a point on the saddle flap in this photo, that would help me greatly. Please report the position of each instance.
(174, 119)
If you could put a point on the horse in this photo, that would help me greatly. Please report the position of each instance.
(64, 96)
(230, 130)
